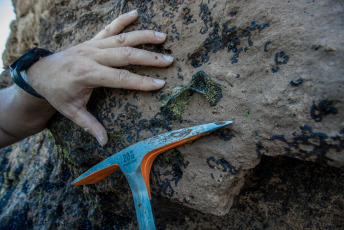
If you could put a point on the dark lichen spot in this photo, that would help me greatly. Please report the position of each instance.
(205, 15)
(175, 31)
(278, 137)
(198, 59)
(282, 55)
(187, 201)
(169, 171)
(266, 45)
(221, 36)
(223, 164)
(174, 105)
(18, 219)
(296, 83)
(236, 55)
(211, 159)
(187, 17)
(179, 75)
(275, 69)
(278, 56)
(249, 41)
(319, 144)
(322, 109)
(124, 128)
(259, 147)
(225, 134)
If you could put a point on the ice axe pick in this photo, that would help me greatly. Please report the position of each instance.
(136, 162)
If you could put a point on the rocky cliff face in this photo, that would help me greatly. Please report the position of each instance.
(275, 68)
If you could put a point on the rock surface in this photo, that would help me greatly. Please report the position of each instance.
(279, 65)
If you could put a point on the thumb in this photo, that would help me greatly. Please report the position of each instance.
(91, 125)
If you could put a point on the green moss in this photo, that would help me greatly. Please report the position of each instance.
(15, 183)
(100, 208)
(90, 200)
(68, 157)
(169, 157)
(117, 138)
(5, 177)
(57, 39)
(58, 197)
(64, 155)
(247, 115)
(108, 95)
(2, 192)
(11, 175)
(204, 85)
(173, 106)
(49, 134)
(22, 153)
(40, 194)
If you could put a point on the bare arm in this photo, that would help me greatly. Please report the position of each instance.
(21, 115)
(66, 79)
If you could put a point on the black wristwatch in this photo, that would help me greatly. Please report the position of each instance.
(22, 64)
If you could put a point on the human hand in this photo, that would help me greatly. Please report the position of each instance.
(66, 79)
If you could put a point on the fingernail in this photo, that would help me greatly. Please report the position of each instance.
(168, 58)
(101, 140)
(132, 13)
(160, 35)
(159, 82)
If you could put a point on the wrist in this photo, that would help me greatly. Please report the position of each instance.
(25, 115)
(23, 63)
(31, 104)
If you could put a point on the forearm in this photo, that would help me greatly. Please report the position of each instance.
(21, 115)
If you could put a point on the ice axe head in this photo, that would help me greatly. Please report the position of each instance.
(142, 154)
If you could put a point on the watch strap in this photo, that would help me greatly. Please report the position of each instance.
(25, 62)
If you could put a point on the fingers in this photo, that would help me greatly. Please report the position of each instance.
(90, 124)
(117, 25)
(123, 56)
(120, 78)
(133, 38)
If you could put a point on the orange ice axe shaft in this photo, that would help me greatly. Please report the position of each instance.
(136, 162)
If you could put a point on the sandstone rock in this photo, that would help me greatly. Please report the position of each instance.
(280, 68)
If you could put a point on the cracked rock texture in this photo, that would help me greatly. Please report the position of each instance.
(280, 165)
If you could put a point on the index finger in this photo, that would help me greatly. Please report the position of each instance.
(117, 25)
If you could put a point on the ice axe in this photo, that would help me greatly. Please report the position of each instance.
(136, 162)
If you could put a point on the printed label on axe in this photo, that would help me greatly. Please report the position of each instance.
(129, 158)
